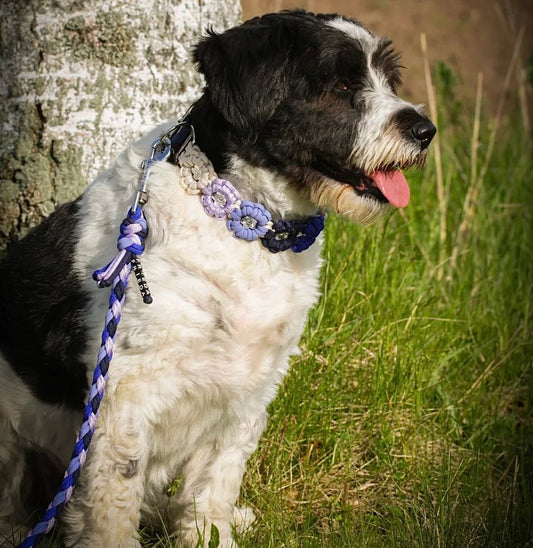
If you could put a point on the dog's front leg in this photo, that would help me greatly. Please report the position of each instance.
(212, 480)
(104, 511)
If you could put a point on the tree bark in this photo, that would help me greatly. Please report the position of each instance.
(79, 80)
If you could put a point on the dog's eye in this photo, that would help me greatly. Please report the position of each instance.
(342, 87)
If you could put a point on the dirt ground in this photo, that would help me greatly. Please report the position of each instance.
(470, 36)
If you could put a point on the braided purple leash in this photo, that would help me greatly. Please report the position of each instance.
(133, 231)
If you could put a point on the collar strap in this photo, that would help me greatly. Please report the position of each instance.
(247, 220)
(251, 221)
(180, 136)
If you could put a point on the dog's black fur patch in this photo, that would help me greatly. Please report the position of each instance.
(42, 309)
(42, 476)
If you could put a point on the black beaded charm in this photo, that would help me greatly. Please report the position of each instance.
(141, 281)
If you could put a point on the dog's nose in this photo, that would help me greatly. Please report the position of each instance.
(424, 132)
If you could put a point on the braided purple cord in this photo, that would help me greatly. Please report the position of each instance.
(133, 231)
(119, 283)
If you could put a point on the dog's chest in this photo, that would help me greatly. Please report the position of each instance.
(226, 314)
(233, 293)
(231, 285)
(214, 345)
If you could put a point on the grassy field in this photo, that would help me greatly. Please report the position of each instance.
(407, 420)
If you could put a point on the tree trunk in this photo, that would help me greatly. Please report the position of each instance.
(81, 79)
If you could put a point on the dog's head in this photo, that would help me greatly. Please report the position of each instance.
(313, 97)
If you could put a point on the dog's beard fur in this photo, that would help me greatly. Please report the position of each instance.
(340, 198)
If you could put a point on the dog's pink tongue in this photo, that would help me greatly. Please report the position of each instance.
(393, 186)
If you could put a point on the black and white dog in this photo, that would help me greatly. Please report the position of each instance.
(299, 115)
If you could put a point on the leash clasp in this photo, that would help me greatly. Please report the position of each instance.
(174, 141)
(161, 149)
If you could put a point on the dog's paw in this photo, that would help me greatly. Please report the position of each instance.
(243, 517)
(92, 541)
(209, 535)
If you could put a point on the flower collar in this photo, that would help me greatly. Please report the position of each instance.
(247, 220)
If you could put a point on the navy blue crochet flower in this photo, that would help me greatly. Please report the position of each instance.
(250, 221)
(312, 228)
(282, 236)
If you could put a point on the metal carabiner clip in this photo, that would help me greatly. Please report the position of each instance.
(162, 148)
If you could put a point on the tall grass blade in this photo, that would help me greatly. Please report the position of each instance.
(432, 100)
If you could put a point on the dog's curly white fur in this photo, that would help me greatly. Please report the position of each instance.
(299, 110)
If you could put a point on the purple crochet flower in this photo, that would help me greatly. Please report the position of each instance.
(219, 198)
(250, 221)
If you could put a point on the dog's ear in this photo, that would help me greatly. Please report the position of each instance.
(236, 79)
